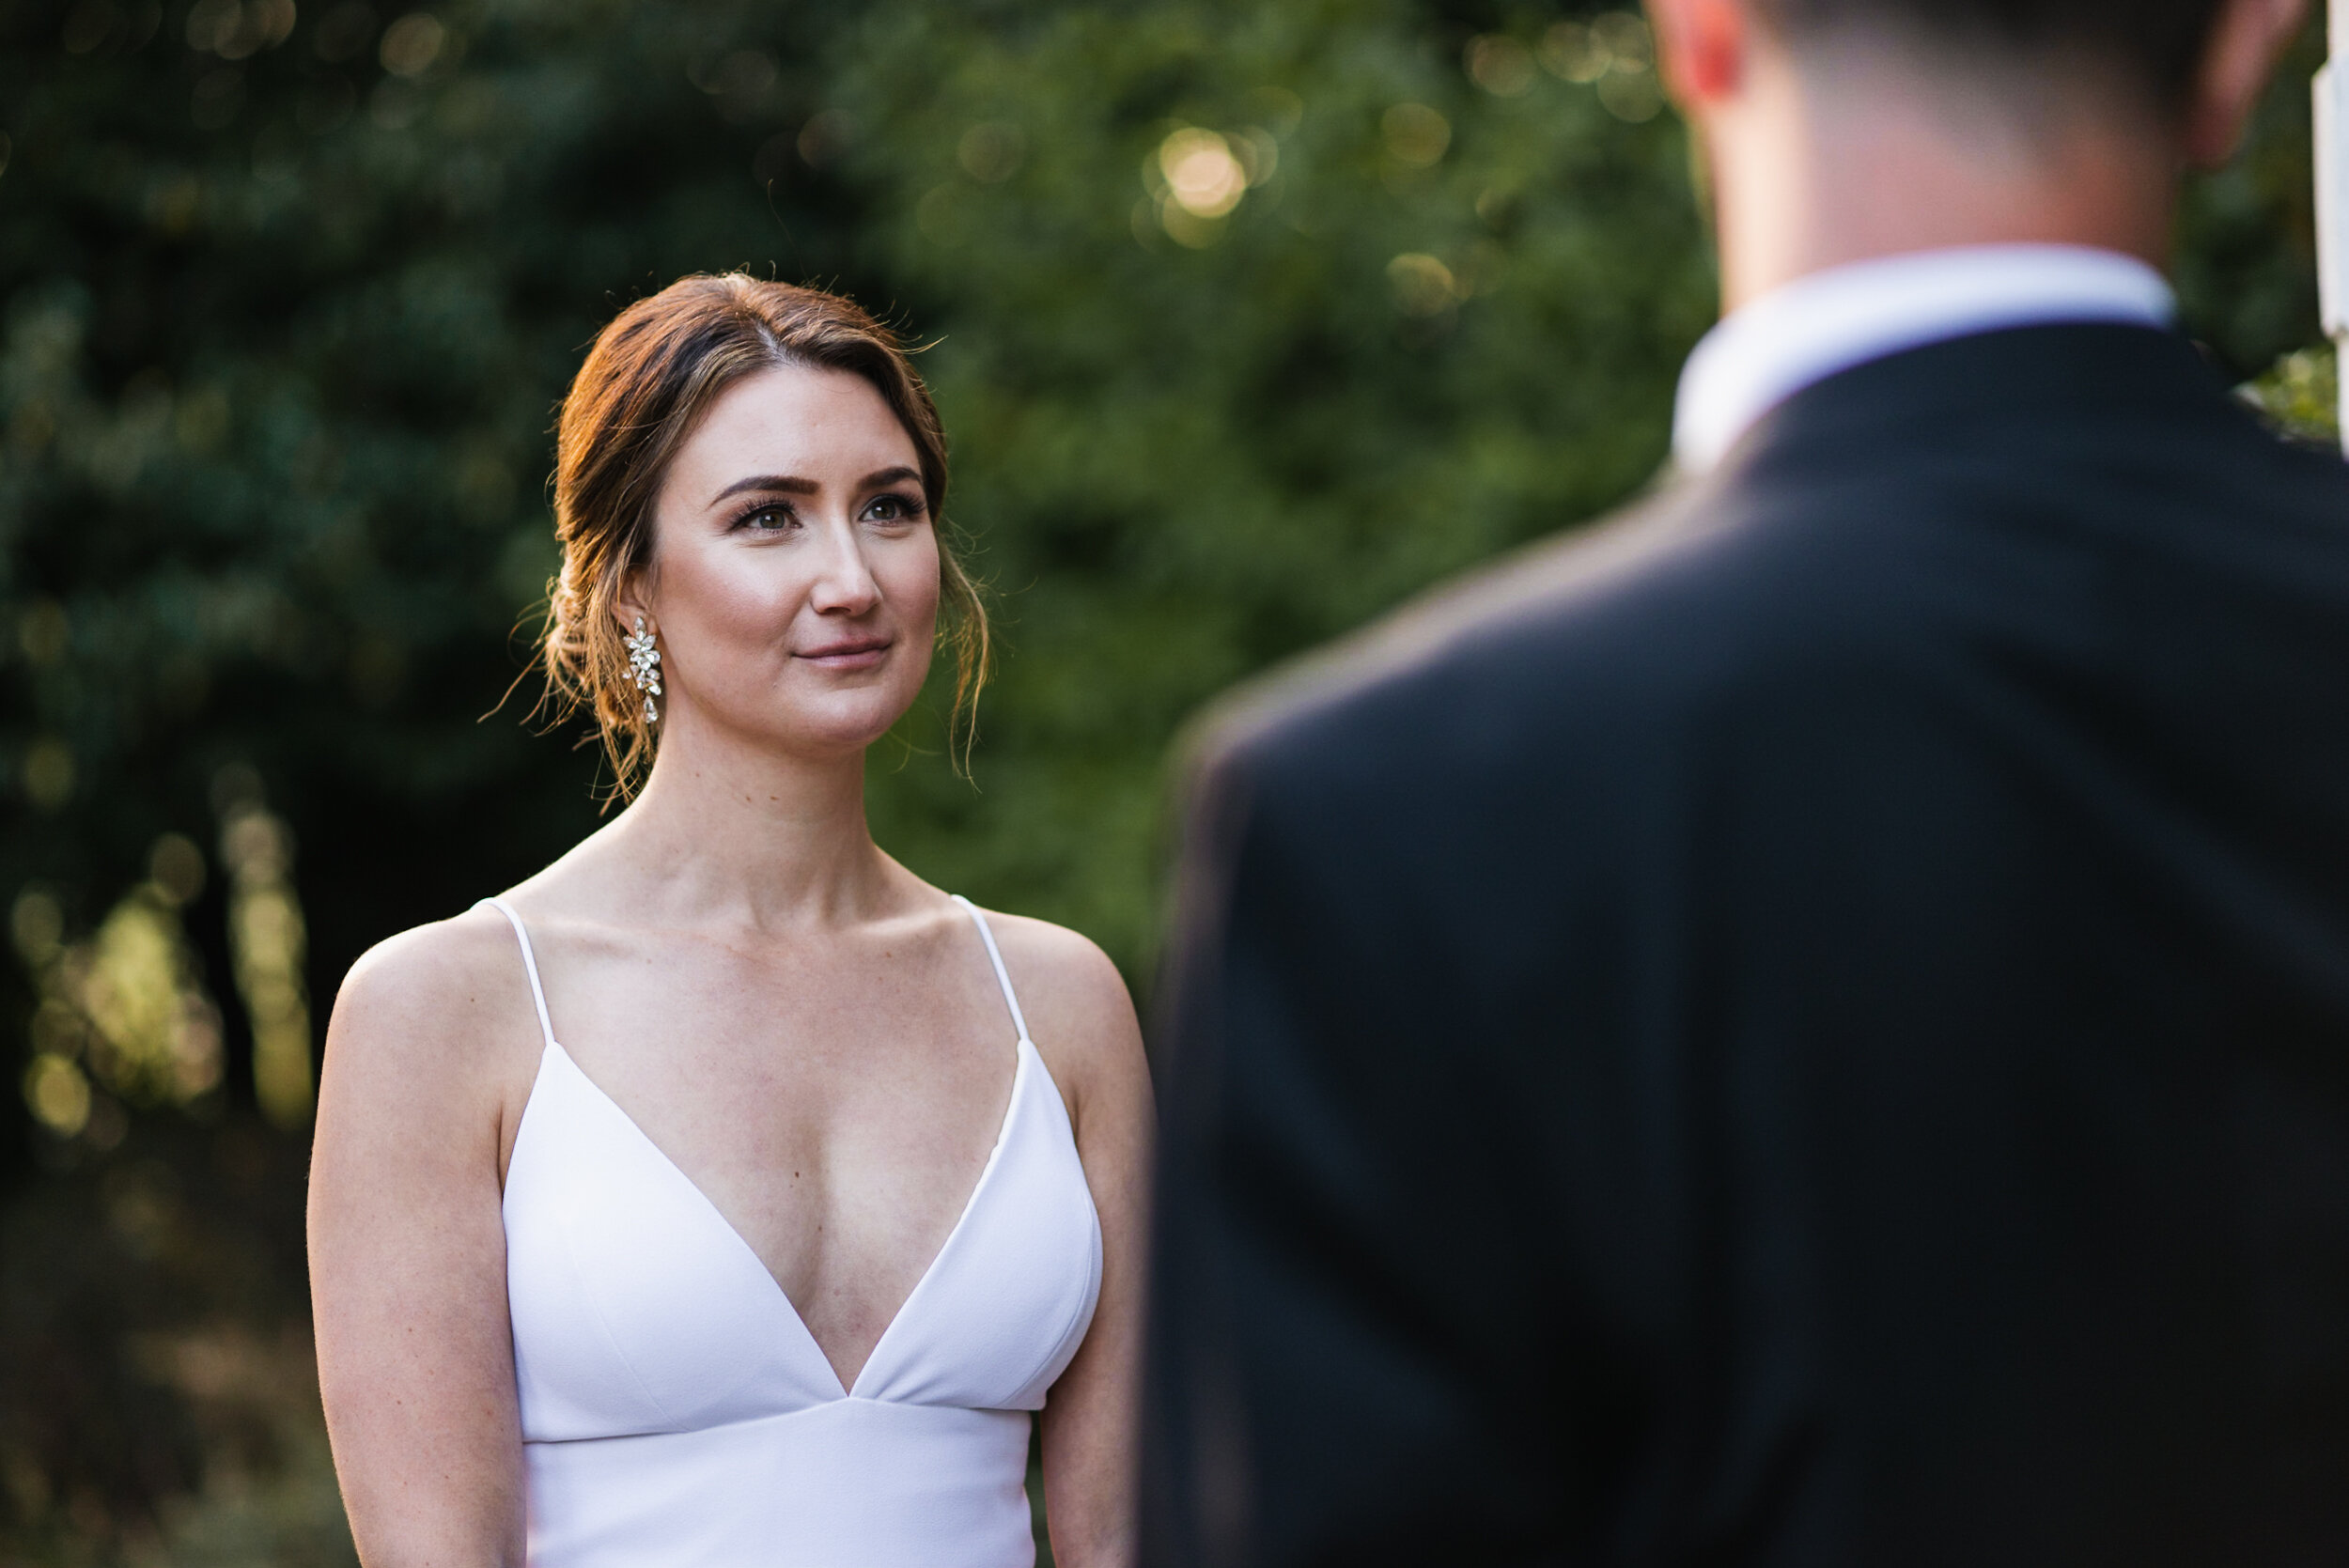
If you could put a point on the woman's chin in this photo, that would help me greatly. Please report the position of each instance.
(833, 736)
(831, 729)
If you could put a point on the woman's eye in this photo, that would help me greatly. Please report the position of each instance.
(893, 508)
(767, 520)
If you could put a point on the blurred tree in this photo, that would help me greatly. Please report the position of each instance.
(1249, 319)
(2300, 396)
(1252, 320)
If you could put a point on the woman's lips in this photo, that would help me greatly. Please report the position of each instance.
(861, 654)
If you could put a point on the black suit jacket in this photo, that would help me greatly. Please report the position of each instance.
(1811, 1027)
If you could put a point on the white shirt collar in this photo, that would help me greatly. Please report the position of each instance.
(1813, 328)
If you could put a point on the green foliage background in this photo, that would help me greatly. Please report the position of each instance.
(280, 339)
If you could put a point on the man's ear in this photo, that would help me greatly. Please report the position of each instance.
(1701, 47)
(2248, 40)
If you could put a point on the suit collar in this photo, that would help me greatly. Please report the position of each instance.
(2042, 376)
(1827, 323)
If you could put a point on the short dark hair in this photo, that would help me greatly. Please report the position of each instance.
(2157, 44)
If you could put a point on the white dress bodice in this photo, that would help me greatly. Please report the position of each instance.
(676, 1411)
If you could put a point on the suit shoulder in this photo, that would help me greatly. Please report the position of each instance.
(1554, 593)
(1337, 683)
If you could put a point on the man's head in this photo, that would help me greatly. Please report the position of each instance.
(1839, 129)
(2156, 45)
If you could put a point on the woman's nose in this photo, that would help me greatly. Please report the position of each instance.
(845, 586)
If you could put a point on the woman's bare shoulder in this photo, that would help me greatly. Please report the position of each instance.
(449, 995)
(1079, 1013)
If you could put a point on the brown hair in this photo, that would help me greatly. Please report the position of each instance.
(2157, 44)
(648, 380)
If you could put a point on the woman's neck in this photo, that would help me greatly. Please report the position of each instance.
(728, 828)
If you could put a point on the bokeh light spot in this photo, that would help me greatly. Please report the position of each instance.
(58, 1095)
(1500, 65)
(1415, 135)
(267, 939)
(939, 215)
(991, 151)
(211, 24)
(1259, 153)
(413, 43)
(1572, 51)
(176, 866)
(740, 81)
(89, 26)
(42, 632)
(49, 773)
(1424, 286)
(1633, 97)
(824, 138)
(1204, 177)
(1630, 48)
(37, 926)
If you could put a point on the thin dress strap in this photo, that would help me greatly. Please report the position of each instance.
(530, 964)
(995, 957)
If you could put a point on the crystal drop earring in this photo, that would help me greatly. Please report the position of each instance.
(643, 667)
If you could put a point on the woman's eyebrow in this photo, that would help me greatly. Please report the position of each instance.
(783, 482)
(786, 484)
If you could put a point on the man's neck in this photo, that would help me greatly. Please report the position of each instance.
(1860, 153)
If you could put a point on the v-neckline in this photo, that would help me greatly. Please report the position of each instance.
(849, 1389)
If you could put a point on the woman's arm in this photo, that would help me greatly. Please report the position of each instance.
(407, 1252)
(1089, 1423)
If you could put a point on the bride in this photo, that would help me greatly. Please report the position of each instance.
(726, 1195)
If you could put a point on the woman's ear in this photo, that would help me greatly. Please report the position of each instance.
(629, 606)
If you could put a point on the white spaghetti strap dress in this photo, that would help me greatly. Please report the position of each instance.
(675, 1411)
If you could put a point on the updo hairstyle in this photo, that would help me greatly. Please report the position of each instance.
(648, 380)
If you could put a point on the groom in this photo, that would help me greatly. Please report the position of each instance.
(1810, 1026)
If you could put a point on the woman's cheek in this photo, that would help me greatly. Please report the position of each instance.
(756, 600)
(914, 586)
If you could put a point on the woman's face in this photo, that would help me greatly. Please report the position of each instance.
(795, 569)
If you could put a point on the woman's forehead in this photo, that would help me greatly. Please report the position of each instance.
(814, 421)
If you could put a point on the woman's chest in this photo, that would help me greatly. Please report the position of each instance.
(639, 1304)
(840, 1144)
